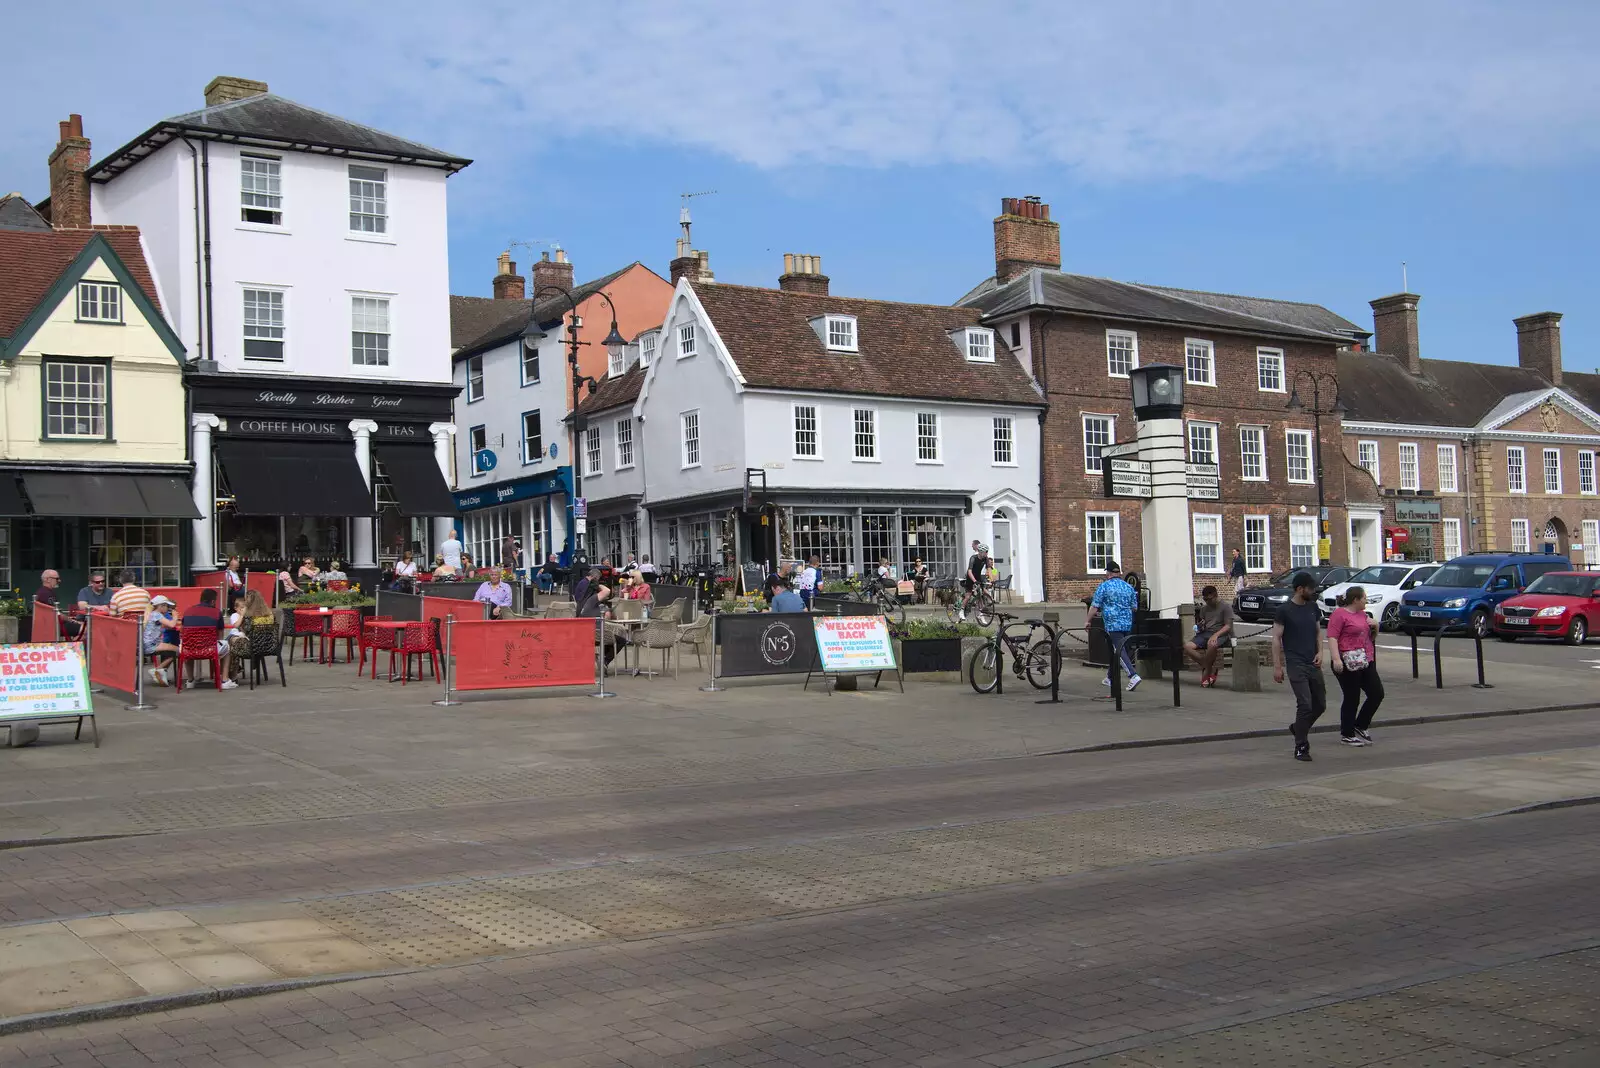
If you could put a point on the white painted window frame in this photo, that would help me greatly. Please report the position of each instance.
(1195, 519)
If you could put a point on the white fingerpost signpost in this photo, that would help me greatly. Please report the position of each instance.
(1164, 523)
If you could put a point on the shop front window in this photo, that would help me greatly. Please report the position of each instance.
(5, 554)
(828, 535)
(147, 547)
(321, 537)
(484, 534)
(700, 541)
(932, 538)
(878, 541)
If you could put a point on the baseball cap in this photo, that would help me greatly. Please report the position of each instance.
(1113, 568)
(159, 599)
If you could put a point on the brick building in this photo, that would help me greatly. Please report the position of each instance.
(1446, 457)
(1244, 356)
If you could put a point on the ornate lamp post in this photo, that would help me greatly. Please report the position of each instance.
(614, 343)
(1318, 379)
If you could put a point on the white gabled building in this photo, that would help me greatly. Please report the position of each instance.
(303, 261)
(777, 423)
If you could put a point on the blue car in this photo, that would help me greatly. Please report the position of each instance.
(1466, 589)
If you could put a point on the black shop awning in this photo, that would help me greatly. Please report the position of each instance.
(71, 493)
(295, 478)
(413, 474)
(11, 502)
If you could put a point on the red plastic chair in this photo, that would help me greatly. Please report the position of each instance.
(198, 643)
(416, 640)
(338, 585)
(374, 640)
(305, 626)
(345, 626)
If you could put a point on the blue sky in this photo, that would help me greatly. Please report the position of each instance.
(1295, 150)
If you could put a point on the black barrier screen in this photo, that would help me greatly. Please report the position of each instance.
(662, 595)
(765, 643)
(461, 591)
(400, 607)
(840, 606)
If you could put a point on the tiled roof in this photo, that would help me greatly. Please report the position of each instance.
(614, 392)
(1586, 387)
(31, 261)
(1038, 288)
(17, 214)
(503, 327)
(905, 349)
(269, 119)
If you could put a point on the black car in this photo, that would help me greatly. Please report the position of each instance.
(1258, 604)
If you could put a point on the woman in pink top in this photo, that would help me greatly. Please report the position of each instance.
(1355, 665)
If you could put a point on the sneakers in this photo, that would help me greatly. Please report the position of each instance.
(1364, 736)
(1133, 680)
(1353, 740)
(961, 617)
(1106, 681)
(229, 684)
(158, 677)
(1303, 752)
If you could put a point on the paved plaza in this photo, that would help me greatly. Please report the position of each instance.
(342, 872)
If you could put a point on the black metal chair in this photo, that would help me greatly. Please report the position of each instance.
(266, 643)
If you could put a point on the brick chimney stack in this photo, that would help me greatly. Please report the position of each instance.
(1394, 325)
(225, 89)
(551, 271)
(69, 176)
(803, 274)
(508, 284)
(1539, 344)
(1024, 237)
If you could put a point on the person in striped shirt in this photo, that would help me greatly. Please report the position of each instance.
(131, 599)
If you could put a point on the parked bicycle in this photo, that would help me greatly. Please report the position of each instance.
(887, 595)
(1031, 654)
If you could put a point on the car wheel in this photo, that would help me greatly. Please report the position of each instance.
(1578, 631)
(1480, 623)
(1390, 619)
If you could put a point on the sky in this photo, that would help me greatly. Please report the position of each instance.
(1301, 150)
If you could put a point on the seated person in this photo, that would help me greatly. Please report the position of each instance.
(467, 566)
(206, 615)
(307, 572)
(46, 595)
(494, 593)
(596, 605)
(442, 570)
(885, 572)
(782, 597)
(582, 588)
(637, 588)
(1213, 632)
(287, 586)
(160, 639)
(333, 574)
(95, 595)
(550, 575)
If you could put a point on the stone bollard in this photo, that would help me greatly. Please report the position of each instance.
(845, 684)
(1150, 664)
(1248, 658)
(21, 732)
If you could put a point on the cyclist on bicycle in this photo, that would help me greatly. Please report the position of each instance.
(977, 577)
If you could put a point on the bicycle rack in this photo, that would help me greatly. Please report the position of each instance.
(1438, 662)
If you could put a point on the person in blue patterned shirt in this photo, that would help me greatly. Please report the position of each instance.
(1113, 604)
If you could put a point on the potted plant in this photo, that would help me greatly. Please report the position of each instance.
(354, 597)
(923, 645)
(13, 606)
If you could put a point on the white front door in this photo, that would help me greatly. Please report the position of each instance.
(1000, 551)
(1366, 540)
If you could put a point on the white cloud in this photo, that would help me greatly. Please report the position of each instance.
(1156, 89)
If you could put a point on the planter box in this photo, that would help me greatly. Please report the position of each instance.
(930, 654)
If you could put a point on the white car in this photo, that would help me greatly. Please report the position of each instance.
(1384, 585)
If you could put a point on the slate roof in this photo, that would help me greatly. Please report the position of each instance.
(485, 326)
(614, 392)
(17, 214)
(1038, 288)
(274, 121)
(1377, 388)
(1586, 387)
(31, 261)
(905, 349)
(1289, 312)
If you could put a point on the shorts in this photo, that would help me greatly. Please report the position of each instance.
(1203, 636)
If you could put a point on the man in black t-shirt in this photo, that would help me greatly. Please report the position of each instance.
(207, 615)
(1297, 654)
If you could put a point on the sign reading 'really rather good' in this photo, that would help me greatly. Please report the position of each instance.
(854, 643)
(43, 682)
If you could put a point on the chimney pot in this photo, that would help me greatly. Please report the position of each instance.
(69, 176)
(1024, 237)
(508, 284)
(1394, 325)
(551, 271)
(225, 88)
(1539, 344)
(802, 273)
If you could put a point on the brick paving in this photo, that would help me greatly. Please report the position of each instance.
(1038, 974)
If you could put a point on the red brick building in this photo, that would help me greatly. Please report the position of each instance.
(1244, 356)
(1452, 457)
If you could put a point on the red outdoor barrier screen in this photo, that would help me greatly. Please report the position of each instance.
(114, 652)
(208, 578)
(440, 607)
(521, 653)
(185, 596)
(265, 583)
(46, 624)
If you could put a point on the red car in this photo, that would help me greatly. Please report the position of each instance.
(1557, 604)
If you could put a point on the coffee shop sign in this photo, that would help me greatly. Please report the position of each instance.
(341, 400)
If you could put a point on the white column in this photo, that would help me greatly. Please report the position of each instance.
(1168, 551)
(204, 544)
(443, 453)
(361, 540)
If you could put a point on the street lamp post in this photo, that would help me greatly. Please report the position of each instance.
(1318, 379)
(614, 343)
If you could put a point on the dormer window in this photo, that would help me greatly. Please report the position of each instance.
(979, 345)
(618, 363)
(647, 348)
(839, 333)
